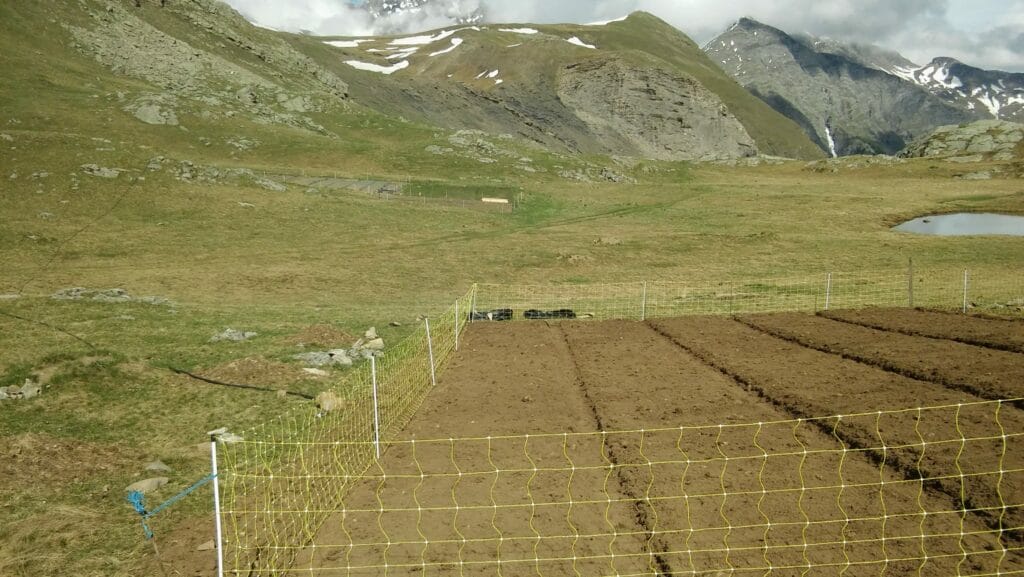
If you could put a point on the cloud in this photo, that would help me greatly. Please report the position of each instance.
(984, 33)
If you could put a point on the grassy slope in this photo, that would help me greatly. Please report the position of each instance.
(300, 259)
(530, 71)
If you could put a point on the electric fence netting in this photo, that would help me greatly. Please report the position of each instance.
(949, 289)
(929, 491)
(283, 480)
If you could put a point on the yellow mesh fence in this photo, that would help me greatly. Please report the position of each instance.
(930, 491)
(944, 289)
(926, 491)
(284, 479)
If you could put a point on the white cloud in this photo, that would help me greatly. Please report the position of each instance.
(985, 33)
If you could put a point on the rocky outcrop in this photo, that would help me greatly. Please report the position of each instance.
(846, 106)
(662, 115)
(985, 139)
(275, 84)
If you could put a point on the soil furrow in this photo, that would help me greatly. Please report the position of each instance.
(1001, 335)
(985, 373)
(809, 382)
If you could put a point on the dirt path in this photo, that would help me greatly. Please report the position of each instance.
(983, 372)
(1006, 335)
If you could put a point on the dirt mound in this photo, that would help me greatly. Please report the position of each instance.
(38, 460)
(256, 371)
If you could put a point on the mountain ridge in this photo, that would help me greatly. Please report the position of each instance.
(845, 105)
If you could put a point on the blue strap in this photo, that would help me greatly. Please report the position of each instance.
(135, 498)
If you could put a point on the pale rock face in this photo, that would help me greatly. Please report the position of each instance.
(656, 113)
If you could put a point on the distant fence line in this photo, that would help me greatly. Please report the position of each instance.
(285, 478)
(951, 289)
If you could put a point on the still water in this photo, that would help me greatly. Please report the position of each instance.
(965, 224)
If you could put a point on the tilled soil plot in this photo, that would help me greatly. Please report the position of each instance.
(984, 372)
(1001, 334)
(961, 448)
(571, 460)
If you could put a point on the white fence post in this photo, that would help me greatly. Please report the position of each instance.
(376, 410)
(910, 283)
(643, 304)
(967, 281)
(430, 352)
(216, 507)
(456, 325)
(472, 304)
(828, 291)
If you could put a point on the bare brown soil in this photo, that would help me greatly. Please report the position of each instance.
(764, 493)
(994, 333)
(984, 372)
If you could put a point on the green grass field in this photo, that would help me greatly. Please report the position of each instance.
(294, 260)
(296, 264)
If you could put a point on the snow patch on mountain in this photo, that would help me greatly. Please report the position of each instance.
(422, 40)
(346, 43)
(369, 67)
(575, 40)
(520, 30)
(1002, 94)
(607, 22)
(456, 42)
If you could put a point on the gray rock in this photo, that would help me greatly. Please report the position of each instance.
(232, 335)
(984, 138)
(660, 114)
(247, 95)
(152, 113)
(31, 389)
(148, 485)
(298, 104)
(271, 185)
(208, 546)
(46, 215)
(115, 295)
(155, 164)
(101, 172)
(72, 294)
(158, 466)
(370, 334)
(6, 137)
(374, 345)
(338, 357)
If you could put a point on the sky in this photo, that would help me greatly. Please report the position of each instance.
(983, 33)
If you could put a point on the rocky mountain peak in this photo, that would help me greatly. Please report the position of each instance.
(397, 16)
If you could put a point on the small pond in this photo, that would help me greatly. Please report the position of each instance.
(965, 224)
